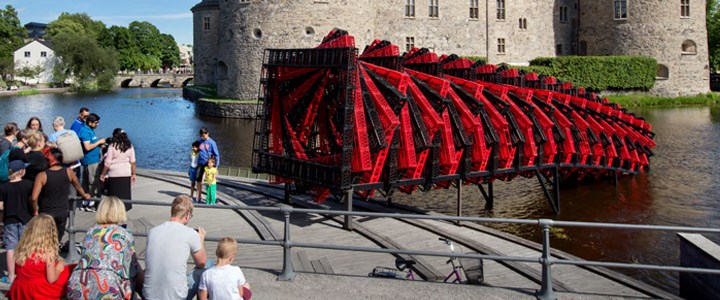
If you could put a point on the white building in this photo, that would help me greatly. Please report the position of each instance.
(36, 53)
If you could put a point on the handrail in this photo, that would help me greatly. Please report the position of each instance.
(546, 291)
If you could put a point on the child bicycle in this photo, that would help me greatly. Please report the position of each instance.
(401, 264)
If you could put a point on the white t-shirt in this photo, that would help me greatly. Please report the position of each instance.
(168, 247)
(222, 282)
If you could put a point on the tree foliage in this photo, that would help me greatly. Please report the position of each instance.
(85, 61)
(75, 23)
(28, 72)
(11, 34)
(713, 30)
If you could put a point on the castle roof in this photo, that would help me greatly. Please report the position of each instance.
(206, 5)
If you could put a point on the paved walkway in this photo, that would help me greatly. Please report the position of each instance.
(262, 263)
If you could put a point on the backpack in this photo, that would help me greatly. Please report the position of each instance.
(5, 164)
(70, 146)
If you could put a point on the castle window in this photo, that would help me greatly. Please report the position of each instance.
(474, 13)
(222, 70)
(27, 53)
(662, 72)
(433, 9)
(563, 14)
(689, 47)
(501, 9)
(409, 8)
(558, 49)
(206, 23)
(501, 46)
(522, 23)
(685, 8)
(620, 9)
(409, 43)
(43, 54)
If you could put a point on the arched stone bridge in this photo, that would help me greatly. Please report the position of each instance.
(152, 80)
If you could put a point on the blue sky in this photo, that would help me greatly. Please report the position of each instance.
(169, 16)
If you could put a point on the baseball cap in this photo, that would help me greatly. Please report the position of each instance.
(17, 165)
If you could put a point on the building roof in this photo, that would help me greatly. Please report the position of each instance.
(205, 5)
(46, 43)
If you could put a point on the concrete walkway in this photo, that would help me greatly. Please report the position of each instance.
(262, 264)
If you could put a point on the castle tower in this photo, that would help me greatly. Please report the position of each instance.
(671, 31)
(205, 35)
(246, 28)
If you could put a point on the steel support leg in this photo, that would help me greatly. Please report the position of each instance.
(287, 197)
(348, 198)
(489, 197)
(556, 187)
(459, 199)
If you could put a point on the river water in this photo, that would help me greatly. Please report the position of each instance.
(681, 188)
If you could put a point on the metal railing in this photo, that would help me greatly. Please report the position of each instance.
(545, 259)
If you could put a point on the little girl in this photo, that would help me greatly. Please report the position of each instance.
(41, 272)
(210, 181)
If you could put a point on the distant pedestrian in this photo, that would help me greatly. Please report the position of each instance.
(210, 182)
(15, 196)
(80, 120)
(34, 124)
(192, 172)
(224, 281)
(91, 160)
(208, 148)
(9, 139)
(119, 167)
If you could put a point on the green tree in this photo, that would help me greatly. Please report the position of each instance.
(75, 23)
(170, 52)
(28, 72)
(713, 30)
(147, 38)
(84, 61)
(11, 34)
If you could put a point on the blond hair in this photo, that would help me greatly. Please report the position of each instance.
(16, 174)
(40, 238)
(226, 248)
(111, 211)
(181, 207)
(34, 138)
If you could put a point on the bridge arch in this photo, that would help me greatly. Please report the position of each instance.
(126, 83)
(187, 80)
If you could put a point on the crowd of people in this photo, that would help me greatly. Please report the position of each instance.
(36, 173)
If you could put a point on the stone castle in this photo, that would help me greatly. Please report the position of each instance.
(230, 35)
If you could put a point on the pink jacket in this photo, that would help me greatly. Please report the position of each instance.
(119, 162)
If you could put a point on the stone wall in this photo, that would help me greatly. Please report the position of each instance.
(230, 53)
(652, 28)
(236, 110)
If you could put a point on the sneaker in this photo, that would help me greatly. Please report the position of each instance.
(82, 208)
(91, 209)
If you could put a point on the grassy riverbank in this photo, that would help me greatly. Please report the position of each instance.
(637, 100)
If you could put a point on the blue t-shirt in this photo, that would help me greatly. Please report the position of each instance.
(53, 137)
(93, 156)
(77, 125)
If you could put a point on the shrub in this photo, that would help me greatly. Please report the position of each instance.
(638, 100)
(3, 85)
(600, 72)
(476, 58)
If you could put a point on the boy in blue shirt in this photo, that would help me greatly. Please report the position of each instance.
(208, 148)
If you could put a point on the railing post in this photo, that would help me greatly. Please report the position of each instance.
(287, 273)
(73, 256)
(348, 197)
(546, 289)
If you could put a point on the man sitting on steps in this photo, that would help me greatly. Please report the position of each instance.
(168, 246)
